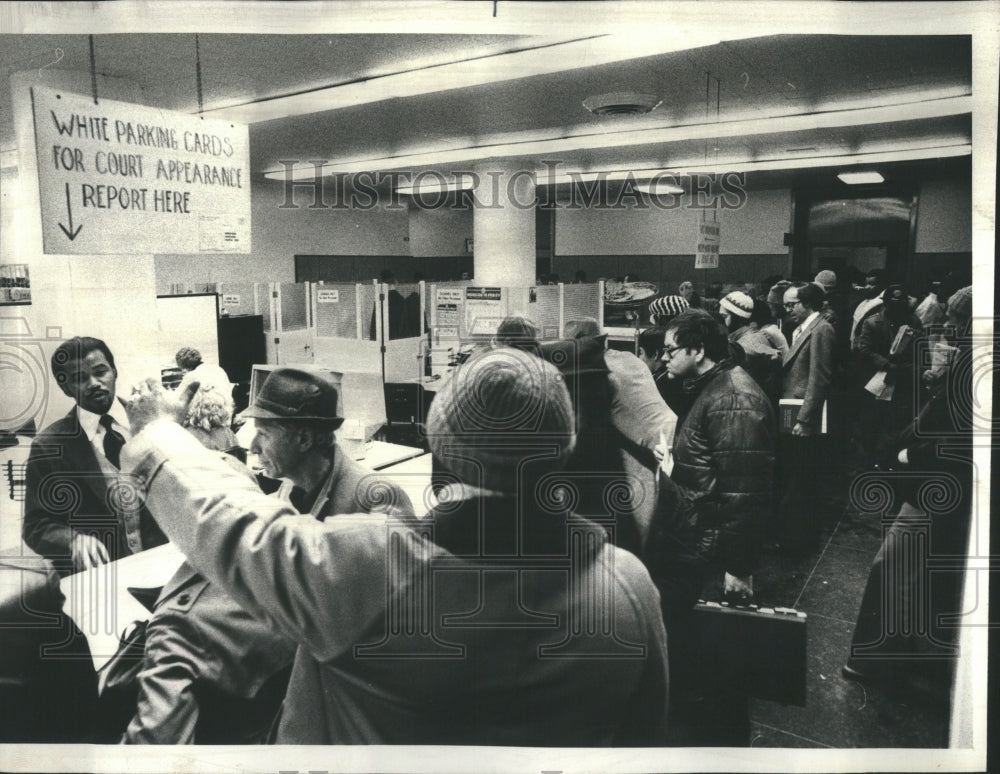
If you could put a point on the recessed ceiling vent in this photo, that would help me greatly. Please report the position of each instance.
(621, 103)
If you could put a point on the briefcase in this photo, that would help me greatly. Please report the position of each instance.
(760, 651)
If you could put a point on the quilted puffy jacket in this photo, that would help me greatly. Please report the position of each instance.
(724, 467)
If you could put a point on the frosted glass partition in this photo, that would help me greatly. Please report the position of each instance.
(237, 298)
(262, 292)
(543, 309)
(582, 301)
(294, 305)
(335, 310)
(402, 314)
(366, 300)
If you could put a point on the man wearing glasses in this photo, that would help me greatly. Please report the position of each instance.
(806, 372)
(715, 495)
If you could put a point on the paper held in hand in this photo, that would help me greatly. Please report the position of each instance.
(788, 414)
(877, 386)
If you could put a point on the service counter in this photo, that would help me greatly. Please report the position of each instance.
(99, 602)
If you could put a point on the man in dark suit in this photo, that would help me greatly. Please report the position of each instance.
(78, 513)
(806, 371)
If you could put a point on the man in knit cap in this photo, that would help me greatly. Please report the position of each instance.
(761, 360)
(498, 581)
(662, 310)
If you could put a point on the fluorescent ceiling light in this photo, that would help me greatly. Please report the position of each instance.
(532, 143)
(434, 182)
(861, 178)
(660, 187)
(686, 169)
(545, 59)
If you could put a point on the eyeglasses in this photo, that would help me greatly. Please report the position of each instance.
(668, 352)
(791, 305)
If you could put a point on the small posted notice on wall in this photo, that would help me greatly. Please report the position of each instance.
(707, 252)
(328, 296)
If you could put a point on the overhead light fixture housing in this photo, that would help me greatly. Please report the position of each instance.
(435, 182)
(622, 103)
(861, 178)
(660, 188)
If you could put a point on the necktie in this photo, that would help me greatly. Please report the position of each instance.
(113, 441)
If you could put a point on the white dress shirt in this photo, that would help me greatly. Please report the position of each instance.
(803, 325)
(91, 425)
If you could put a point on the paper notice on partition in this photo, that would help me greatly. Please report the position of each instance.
(447, 314)
(449, 295)
(327, 296)
(484, 310)
(446, 321)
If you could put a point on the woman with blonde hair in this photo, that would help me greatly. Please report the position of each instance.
(209, 417)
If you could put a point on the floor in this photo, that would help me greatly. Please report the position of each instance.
(827, 585)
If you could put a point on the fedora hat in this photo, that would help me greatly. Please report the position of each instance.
(294, 395)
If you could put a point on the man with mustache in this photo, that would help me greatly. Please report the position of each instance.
(77, 512)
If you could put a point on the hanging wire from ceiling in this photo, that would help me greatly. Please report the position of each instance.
(93, 68)
(197, 74)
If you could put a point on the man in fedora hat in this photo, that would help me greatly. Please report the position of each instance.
(468, 626)
(295, 415)
(204, 649)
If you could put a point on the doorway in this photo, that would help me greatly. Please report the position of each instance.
(853, 234)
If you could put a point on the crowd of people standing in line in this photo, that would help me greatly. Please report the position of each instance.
(656, 476)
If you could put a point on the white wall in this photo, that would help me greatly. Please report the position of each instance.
(944, 216)
(279, 234)
(756, 228)
(440, 232)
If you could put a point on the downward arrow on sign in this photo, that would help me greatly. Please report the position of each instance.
(70, 232)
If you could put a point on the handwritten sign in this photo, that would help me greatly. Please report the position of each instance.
(328, 296)
(120, 178)
(707, 253)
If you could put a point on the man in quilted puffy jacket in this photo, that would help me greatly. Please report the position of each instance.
(716, 488)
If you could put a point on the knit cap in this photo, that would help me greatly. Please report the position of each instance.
(960, 303)
(776, 294)
(827, 280)
(738, 303)
(667, 307)
(498, 410)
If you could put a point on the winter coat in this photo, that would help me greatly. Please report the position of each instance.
(723, 456)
